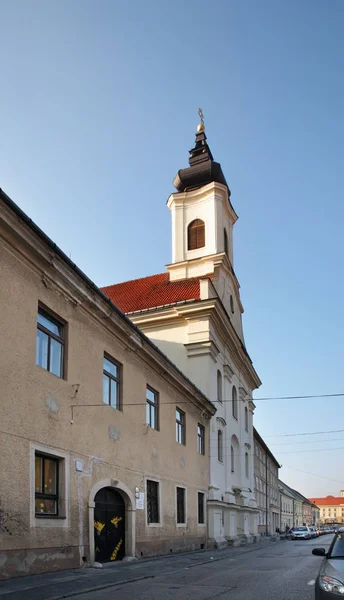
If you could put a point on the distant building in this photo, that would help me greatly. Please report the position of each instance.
(304, 511)
(266, 486)
(331, 508)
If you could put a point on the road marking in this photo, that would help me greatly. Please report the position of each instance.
(311, 582)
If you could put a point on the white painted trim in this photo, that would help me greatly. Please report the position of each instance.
(56, 522)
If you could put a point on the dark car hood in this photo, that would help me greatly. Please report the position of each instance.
(334, 568)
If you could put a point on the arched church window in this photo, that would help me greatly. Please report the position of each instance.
(234, 403)
(225, 241)
(196, 234)
(220, 446)
(219, 386)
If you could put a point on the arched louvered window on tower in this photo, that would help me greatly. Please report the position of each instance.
(225, 241)
(196, 234)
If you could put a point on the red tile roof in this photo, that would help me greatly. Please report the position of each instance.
(328, 501)
(152, 291)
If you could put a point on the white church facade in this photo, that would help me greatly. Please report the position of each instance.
(193, 313)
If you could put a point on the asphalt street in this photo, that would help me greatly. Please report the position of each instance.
(280, 570)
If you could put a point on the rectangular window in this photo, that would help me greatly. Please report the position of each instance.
(153, 513)
(180, 426)
(152, 408)
(246, 418)
(46, 486)
(200, 508)
(111, 382)
(49, 343)
(200, 439)
(180, 505)
(247, 465)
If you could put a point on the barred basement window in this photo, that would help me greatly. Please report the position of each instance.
(180, 505)
(153, 514)
(196, 234)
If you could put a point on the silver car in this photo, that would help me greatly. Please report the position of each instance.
(329, 584)
(301, 533)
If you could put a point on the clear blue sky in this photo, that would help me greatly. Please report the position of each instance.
(98, 110)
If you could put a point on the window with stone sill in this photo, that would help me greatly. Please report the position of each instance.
(46, 486)
(50, 342)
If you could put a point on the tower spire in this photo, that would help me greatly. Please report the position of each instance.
(203, 169)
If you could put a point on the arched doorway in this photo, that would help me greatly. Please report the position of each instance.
(109, 525)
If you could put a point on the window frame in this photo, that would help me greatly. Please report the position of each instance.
(246, 419)
(220, 445)
(201, 523)
(112, 377)
(61, 339)
(153, 406)
(232, 459)
(247, 465)
(197, 226)
(63, 518)
(180, 425)
(42, 495)
(201, 439)
(181, 523)
(159, 522)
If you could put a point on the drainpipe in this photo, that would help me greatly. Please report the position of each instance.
(266, 494)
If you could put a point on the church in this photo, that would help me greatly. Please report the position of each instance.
(193, 313)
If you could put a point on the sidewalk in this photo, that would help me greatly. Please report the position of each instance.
(66, 584)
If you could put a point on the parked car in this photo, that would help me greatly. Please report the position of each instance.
(301, 533)
(330, 581)
(313, 531)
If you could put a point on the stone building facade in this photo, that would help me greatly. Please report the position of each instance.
(104, 442)
(193, 312)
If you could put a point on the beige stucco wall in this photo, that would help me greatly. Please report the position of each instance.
(35, 412)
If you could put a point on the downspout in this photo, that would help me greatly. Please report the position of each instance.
(266, 495)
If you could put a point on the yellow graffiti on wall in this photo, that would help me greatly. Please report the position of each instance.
(115, 552)
(116, 520)
(99, 526)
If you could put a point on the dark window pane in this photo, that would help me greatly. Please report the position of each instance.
(110, 367)
(114, 393)
(45, 507)
(180, 505)
(38, 474)
(50, 476)
(42, 342)
(49, 324)
(106, 389)
(200, 508)
(55, 357)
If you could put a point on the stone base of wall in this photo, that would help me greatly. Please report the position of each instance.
(163, 547)
(17, 563)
